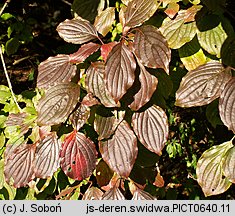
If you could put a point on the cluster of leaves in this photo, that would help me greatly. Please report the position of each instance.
(110, 96)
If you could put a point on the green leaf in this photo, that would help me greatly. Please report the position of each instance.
(2, 120)
(2, 140)
(7, 16)
(2, 178)
(58, 102)
(228, 52)
(212, 114)
(192, 55)
(211, 34)
(209, 170)
(12, 46)
(5, 94)
(228, 164)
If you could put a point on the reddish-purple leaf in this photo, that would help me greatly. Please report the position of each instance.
(83, 53)
(105, 126)
(148, 84)
(19, 164)
(103, 22)
(77, 31)
(139, 11)
(93, 193)
(78, 156)
(119, 70)
(106, 49)
(89, 100)
(151, 47)
(80, 116)
(121, 150)
(142, 195)
(227, 105)
(58, 102)
(47, 156)
(202, 85)
(55, 70)
(96, 85)
(113, 194)
(151, 127)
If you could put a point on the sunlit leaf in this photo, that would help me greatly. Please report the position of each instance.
(47, 156)
(5, 94)
(103, 174)
(172, 9)
(202, 85)
(77, 31)
(142, 195)
(227, 105)
(151, 47)
(192, 55)
(93, 193)
(78, 156)
(120, 151)
(83, 53)
(119, 71)
(58, 102)
(209, 170)
(106, 49)
(211, 38)
(80, 116)
(148, 84)
(96, 85)
(103, 22)
(113, 194)
(89, 100)
(139, 11)
(55, 70)
(228, 164)
(151, 127)
(19, 164)
(177, 32)
(105, 126)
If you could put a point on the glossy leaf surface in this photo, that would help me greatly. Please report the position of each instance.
(151, 47)
(58, 102)
(120, 151)
(96, 85)
(55, 70)
(202, 85)
(119, 71)
(227, 105)
(78, 156)
(209, 170)
(151, 127)
(77, 31)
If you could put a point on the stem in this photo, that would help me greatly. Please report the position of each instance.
(4, 6)
(8, 79)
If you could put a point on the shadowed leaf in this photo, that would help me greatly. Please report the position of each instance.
(209, 170)
(120, 151)
(227, 105)
(47, 156)
(78, 156)
(151, 47)
(93, 193)
(19, 164)
(55, 70)
(103, 22)
(228, 164)
(151, 127)
(202, 85)
(77, 31)
(96, 85)
(83, 53)
(58, 102)
(119, 71)
(148, 84)
(103, 174)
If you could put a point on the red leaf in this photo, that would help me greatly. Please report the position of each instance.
(151, 127)
(106, 48)
(83, 53)
(121, 151)
(55, 70)
(47, 156)
(19, 164)
(119, 71)
(148, 84)
(78, 156)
